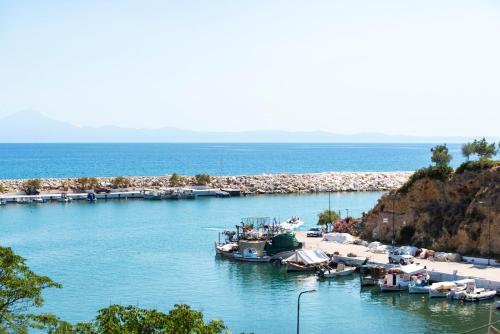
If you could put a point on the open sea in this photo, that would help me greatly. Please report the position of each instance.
(75, 160)
(157, 254)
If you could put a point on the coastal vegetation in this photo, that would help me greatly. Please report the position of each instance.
(445, 209)
(177, 180)
(201, 179)
(327, 218)
(2, 188)
(31, 187)
(85, 183)
(21, 292)
(120, 182)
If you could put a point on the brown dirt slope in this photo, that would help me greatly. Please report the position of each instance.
(461, 214)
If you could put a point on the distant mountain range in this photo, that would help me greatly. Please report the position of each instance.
(34, 127)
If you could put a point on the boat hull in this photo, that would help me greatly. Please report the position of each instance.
(389, 288)
(418, 289)
(333, 274)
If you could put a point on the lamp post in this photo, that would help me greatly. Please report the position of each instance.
(489, 231)
(329, 210)
(298, 307)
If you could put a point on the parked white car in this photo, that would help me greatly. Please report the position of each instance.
(398, 256)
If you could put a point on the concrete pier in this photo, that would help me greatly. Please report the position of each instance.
(485, 276)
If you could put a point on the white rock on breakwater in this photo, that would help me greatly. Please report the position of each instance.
(256, 184)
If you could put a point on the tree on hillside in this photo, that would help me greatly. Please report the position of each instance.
(440, 155)
(327, 217)
(467, 150)
(20, 290)
(484, 149)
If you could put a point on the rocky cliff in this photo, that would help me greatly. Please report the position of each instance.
(460, 213)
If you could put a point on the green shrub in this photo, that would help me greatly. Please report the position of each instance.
(477, 165)
(176, 180)
(201, 179)
(120, 182)
(84, 183)
(31, 187)
(433, 172)
(406, 234)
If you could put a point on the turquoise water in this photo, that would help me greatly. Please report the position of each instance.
(75, 160)
(156, 254)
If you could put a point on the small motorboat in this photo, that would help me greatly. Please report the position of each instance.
(292, 223)
(91, 197)
(3, 201)
(64, 198)
(227, 249)
(471, 293)
(38, 199)
(441, 289)
(341, 270)
(419, 286)
(497, 304)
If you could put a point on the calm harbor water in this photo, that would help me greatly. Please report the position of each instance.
(156, 254)
(75, 160)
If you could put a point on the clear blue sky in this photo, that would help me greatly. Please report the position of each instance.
(403, 67)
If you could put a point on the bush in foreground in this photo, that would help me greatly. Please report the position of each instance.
(132, 319)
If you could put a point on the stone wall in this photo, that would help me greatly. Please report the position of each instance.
(254, 184)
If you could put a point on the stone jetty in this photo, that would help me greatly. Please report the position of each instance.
(247, 184)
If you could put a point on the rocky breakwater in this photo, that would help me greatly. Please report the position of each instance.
(248, 184)
(460, 213)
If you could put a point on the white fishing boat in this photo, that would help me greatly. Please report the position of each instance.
(292, 223)
(441, 289)
(341, 270)
(398, 278)
(251, 251)
(306, 260)
(3, 201)
(471, 293)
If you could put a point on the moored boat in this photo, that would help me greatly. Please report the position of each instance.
(251, 251)
(441, 289)
(370, 274)
(341, 270)
(306, 260)
(398, 278)
(419, 286)
(471, 293)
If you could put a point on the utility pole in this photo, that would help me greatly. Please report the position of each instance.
(393, 218)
